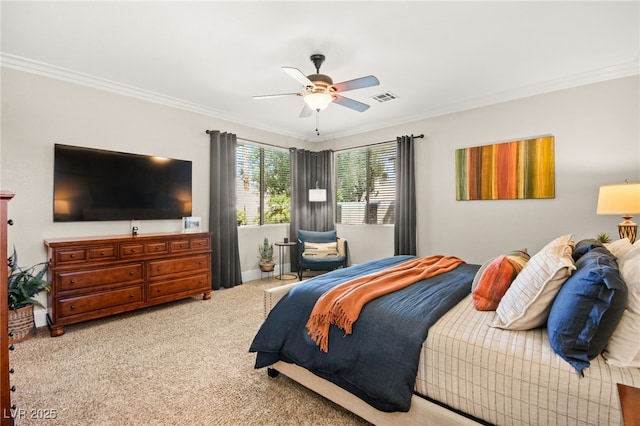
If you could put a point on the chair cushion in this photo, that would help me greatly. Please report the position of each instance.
(318, 236)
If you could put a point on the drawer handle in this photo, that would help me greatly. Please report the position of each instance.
(72, 282)
(158, 269)
(131, 296)
(133, 250)
(157, 248)
(101, 253)
(131, 273)
(200, 263)
(72, 256)
(73, 306)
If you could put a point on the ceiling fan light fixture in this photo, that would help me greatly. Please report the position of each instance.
(318, 101)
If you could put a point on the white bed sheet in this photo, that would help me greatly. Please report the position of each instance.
(514, 377)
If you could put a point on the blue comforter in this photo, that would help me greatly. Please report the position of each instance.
(378, 362)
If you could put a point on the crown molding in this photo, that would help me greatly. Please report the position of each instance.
(35, 67)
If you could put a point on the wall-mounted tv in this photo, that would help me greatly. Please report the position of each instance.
(94, 185)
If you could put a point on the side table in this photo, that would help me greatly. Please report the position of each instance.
(630, 403)
(281, 250)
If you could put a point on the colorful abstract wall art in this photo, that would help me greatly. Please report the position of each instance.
(506, 171)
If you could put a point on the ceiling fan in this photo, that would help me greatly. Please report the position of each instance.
(320, 90)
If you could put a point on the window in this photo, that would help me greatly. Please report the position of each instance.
(263, 186)
(366, 185)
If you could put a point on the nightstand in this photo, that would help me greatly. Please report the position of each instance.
(630, 403)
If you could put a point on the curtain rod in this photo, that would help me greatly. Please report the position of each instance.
(420, 136)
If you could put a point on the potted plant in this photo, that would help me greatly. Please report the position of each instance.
(24, 284)
(266, 262)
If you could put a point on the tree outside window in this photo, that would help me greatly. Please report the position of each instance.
(365, 185)
(263, 185)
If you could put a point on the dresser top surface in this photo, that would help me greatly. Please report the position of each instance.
(53, 242)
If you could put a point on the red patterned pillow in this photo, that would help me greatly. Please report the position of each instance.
(496, 279)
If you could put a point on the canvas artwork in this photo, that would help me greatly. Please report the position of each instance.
(506, 171)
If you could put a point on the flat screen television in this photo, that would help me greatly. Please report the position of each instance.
(95, 185)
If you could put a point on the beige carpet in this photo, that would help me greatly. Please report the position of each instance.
(185, 363)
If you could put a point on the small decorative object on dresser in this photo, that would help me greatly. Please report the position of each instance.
(24, 285)
(191, 224)
(96, 277)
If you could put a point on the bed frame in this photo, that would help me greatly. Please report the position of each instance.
(422, 412)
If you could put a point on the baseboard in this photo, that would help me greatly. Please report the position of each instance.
(256, 274)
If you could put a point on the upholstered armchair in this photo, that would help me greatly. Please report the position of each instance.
(320, 251)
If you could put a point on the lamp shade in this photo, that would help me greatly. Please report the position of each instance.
(317, 195)
(318, 101)
(622, 199)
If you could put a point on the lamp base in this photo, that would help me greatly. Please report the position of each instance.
(628, 229)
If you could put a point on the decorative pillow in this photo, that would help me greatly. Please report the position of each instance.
(587, 309)
(496, 278)
(584, 246)
(320, 250)
(619, 247)
(623, 349)
(527, 302)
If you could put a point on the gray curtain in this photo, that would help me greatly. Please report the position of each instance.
(225, 259)
(307, 168)
(405, 226)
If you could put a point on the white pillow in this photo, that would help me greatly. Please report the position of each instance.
(527, 302)
(619, 247)
(320, 250)
(623, 348)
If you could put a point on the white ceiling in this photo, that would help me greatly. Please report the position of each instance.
(212, 57)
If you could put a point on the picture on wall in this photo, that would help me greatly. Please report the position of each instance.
(506, 171)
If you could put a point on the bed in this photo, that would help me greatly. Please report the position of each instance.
(473, 366)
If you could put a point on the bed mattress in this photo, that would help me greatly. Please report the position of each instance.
(510, 377)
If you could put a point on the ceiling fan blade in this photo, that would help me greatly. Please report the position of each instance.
(358, 83)
(306, 111)
(298, 76)
(277, 95)
(350, 103)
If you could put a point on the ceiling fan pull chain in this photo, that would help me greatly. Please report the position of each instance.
(318, 122)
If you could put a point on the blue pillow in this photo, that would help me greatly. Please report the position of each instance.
(587, 309)
(585, 246)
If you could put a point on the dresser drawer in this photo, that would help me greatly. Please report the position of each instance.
(157, 248)
(184, 285)
(131, 250)
(200, 244)
(71, 255)
(159, 268)
(68, 281)
(102, 253)
(67, 307)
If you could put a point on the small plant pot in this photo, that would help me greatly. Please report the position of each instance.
(267, 265)
(21, 324)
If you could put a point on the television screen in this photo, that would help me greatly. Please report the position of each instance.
(93, 184)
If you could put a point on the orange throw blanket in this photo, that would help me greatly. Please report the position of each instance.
(342, 304)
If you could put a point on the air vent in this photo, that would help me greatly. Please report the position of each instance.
(384, 97)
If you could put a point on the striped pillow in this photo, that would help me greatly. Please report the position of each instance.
(496, 278)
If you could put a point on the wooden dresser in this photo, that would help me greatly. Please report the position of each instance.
(5, 381)
(96, 277)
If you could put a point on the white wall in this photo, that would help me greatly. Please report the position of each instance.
(597, 141)
(38, 112)
(596, 129)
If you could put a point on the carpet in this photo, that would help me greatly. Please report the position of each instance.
(185, 362)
